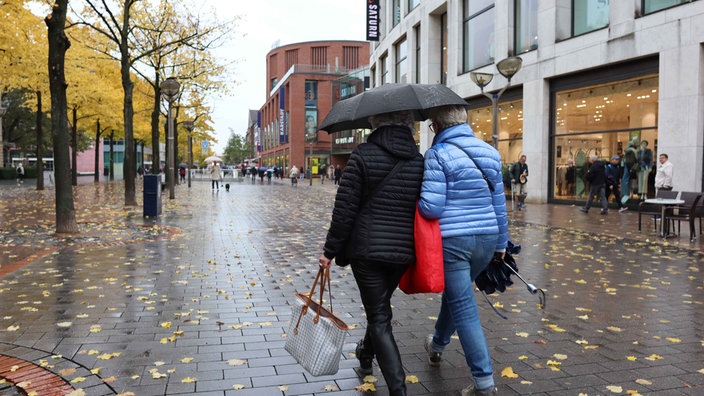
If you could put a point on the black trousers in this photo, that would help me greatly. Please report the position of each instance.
(376, 284)
(614, 189)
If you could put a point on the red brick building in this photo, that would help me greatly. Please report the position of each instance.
(303, 81)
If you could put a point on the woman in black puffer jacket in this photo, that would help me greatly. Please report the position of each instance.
(372, 229)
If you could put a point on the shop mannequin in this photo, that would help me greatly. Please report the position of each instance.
(630, 162)
(645, 165)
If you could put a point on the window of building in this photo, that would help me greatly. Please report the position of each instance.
(650, 6)
(416, 35)
(526, 25)
(396, 9)
(603, 120)
(402, 61)
(589, 15)
(478, 34)
(443, 49)
(291, 57)
(510, 128)
(274, 81)
(412, 4)
(319, 56)
(384, 69)
(350, 57)
(372, 76)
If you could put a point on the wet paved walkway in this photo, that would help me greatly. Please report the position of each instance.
(198, 300)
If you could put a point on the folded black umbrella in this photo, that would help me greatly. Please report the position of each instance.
(354, 112)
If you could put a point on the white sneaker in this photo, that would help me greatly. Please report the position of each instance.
(623, 209)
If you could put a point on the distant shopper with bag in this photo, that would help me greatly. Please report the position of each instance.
(372, 229)
(463, 188)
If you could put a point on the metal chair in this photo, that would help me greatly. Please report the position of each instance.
(655, 211)
(685, 212)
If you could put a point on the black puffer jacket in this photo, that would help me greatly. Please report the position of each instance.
(381, 230)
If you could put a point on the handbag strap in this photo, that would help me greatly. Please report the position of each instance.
(484, 176)
(321, 279)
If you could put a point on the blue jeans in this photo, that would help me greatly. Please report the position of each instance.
(465, 257)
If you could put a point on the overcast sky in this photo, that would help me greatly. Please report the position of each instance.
(263, 23)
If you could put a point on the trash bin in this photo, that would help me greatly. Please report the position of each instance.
(152, 195)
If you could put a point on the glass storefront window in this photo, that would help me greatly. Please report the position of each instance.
(650, 6)
(589, 15)
(526, 25)
(510, 128)
(603, 120)
(478, 34)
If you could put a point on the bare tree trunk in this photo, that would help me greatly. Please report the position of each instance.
(176, 161)
(74, 149)
(129, 170)
(58, 44)
(112, 156)
(96, 178)
(40, 145)
(155, 128)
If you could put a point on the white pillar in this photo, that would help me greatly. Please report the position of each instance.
(536, 135)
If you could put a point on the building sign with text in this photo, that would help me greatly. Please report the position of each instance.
(373, 9)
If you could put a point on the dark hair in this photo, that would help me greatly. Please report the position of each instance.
(664, 155)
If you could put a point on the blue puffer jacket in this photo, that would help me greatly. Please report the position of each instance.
(454, 191)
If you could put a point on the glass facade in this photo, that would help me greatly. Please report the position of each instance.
(650, 6)
(603, 120)
(589, 15)
(402, 61)
(526, 25)
(478, 34)
(412, 4)
(416, 34)
(443, 43)
(384, 69)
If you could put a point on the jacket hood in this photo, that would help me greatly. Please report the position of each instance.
(397, 140)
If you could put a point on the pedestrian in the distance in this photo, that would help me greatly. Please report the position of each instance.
(663, 177)
(519, 178)
(293, 174)
(215, 176)
(372, 229)
(613, 173)
(182, 173)
(20, 173)
(338, 174)
(596, 176)
(474, 228)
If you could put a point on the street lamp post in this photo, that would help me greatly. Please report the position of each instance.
(4, 105)
(189, 127)
(310, 163)
(169, 90)
(508, 68)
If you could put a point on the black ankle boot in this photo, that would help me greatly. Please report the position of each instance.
(365, 358)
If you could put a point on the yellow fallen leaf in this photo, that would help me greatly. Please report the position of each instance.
(370, 379)
(523, 357)
(411, 379)
(556, 328)
(560, 356)
(554, 365)
(508, 373)
(653, 357)
(23, 384)
(632, 392)
(238, 386)
(96, 370)
(522, 334)
(188, 380)
(582, 342)
(700, 371)
(13, 328)
(366, 387)
(110, 380)
(165, 325)
(673, 339)
(126, 394)
(236, 362)
(614, 329)
(64, 324)
(643, 381)
(632, 358)
(186, 360)
(96, 329)
(77, 392)
(93, 352)
(615, 389)
(78, 380)
(67, 372)
(583, 317)
(108, 356)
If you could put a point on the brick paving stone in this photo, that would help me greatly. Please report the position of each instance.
(240, 260)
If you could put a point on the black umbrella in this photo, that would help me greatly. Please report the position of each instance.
(354, 112)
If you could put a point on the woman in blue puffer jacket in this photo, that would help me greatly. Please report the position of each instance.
(474, 227)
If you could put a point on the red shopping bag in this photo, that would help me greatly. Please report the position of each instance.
(427, 275)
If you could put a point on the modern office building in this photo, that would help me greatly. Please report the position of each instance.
(303, 81)
(596, 77)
